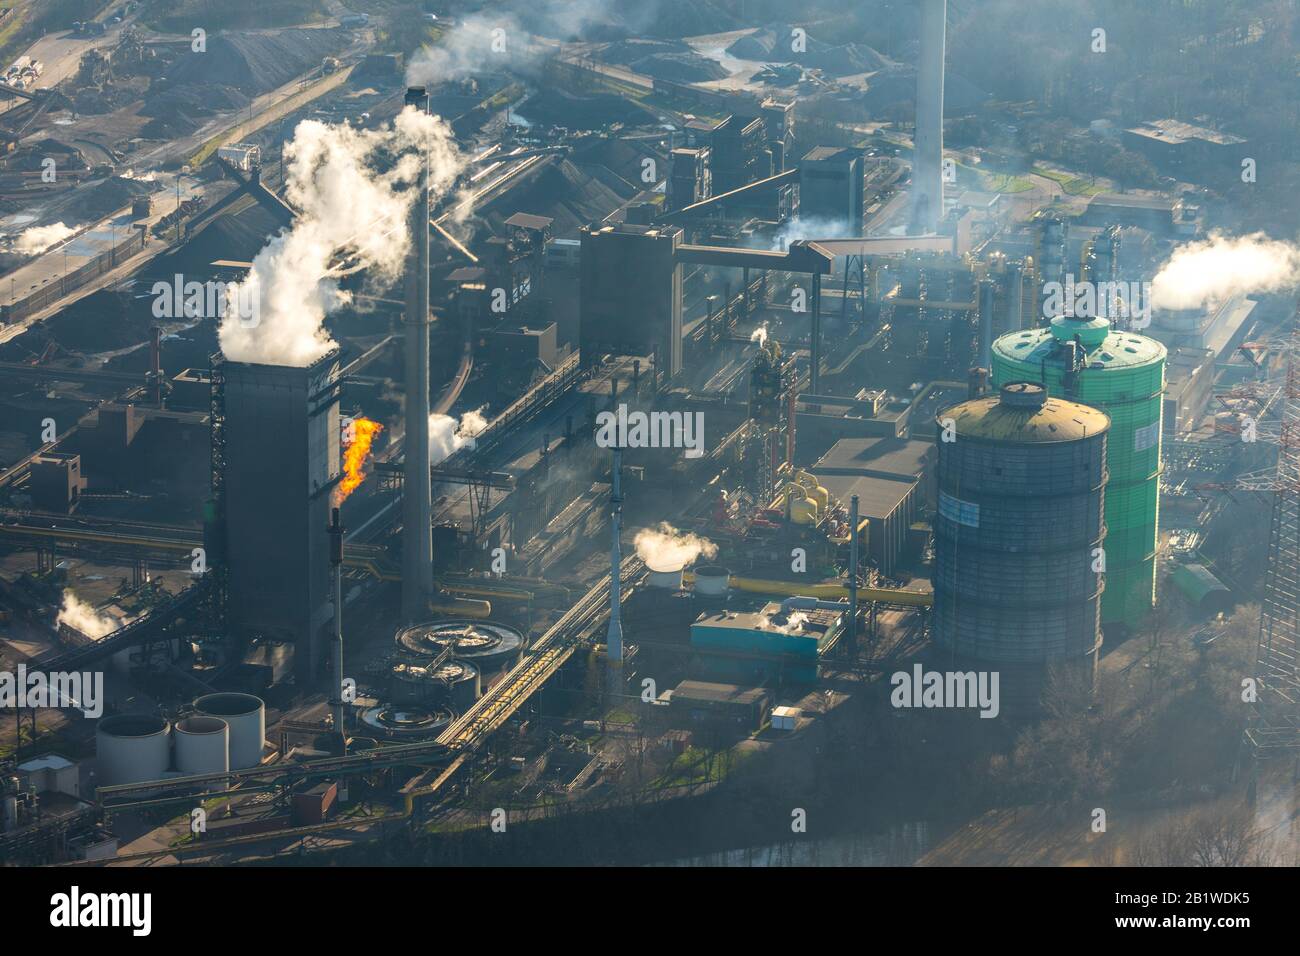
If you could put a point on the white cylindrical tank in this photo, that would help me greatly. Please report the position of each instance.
(132, 748)
(246, 716)
(202, 745)
(669, 578)
(712, 580)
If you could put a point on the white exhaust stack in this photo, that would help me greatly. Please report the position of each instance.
(614, 639)
(927, 156)
(417, 488)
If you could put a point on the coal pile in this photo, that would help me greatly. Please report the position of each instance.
(181, 109)
(109, 196)
(256, 63)
(773, 44)
(103, 321)
(553, 107)
(664, 59)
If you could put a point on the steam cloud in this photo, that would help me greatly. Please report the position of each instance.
(346, 204)
(759, 335)
(1208, 272)
(448, 436)
(37, 239)
(665, 548)
(78, 614)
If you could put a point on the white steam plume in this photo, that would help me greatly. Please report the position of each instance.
(78, 614)
(448, 436)
(347, 204)
(665, 548)
(1217, 268)
(759, 335)
(801, 230)
(39, 238)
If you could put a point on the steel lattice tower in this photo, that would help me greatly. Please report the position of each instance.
(1275, 724)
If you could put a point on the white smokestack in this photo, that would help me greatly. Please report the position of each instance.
(346, 204)
(927, 155)
(1209, 272)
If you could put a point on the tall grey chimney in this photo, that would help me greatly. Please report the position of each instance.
(927, 156)
(417, 491)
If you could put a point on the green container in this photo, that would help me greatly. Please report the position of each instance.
(1123, 374)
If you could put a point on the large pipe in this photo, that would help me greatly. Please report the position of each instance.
(417, 488)
(803, 603)
(927, 155)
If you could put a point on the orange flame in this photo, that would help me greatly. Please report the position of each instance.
(359, 435)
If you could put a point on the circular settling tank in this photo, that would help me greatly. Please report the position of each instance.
(454, 683)
(392, 720)
(487, 644)
(246, 716)
(131, 748)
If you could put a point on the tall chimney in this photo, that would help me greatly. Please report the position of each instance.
(614, 639)
(417, 491)
(927, 155)
(336, 572)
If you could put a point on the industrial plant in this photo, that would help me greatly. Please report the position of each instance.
(457, 434)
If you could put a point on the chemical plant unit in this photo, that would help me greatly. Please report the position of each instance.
(616, 463)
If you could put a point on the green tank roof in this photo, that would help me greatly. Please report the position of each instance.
(1114, 350)
(1022, 413)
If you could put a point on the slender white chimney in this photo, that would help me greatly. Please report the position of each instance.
(927, 157)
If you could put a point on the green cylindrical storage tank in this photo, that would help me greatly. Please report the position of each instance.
(1021, 495)
(1123, 374)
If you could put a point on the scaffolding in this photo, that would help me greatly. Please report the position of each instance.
(1274, 726)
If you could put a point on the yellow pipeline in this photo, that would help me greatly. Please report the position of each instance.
(463, 607)
(827, 592)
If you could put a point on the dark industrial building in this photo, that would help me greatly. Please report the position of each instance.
(830, 188)
(279, 439)
(632, 294)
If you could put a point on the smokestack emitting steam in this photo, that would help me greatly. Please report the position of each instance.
(349, 200)
(361, 434)
(927, 153)
(1211, 271)
(665, 548)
